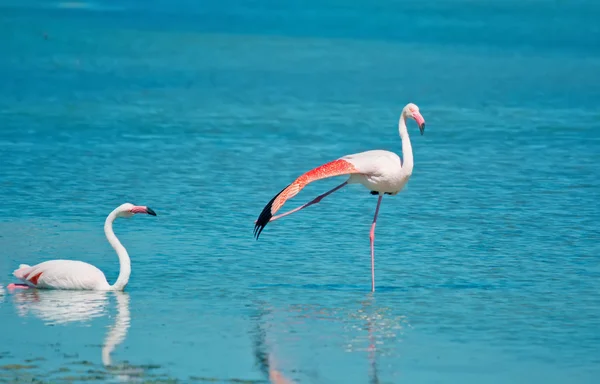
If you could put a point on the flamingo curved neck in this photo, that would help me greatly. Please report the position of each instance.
(407, 155)
(124, 261)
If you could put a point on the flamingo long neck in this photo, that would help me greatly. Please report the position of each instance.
(407, 155)
(124, 261)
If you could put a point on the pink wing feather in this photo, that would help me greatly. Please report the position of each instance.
(333, 168)
(24, 273)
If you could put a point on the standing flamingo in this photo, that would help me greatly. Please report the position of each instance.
(382, 172)
(77, 275)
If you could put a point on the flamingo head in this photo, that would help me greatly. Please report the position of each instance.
(411, 110)
(128, 210)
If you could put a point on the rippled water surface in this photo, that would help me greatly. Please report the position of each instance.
(488, 263)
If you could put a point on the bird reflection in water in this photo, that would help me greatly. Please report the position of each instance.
(384, 329)
(373, 373)
(115, 336)
(370, 329)
(263, 354)
(58, 307)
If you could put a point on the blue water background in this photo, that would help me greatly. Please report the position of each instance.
(488, 263)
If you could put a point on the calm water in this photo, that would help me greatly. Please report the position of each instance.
(488, 263)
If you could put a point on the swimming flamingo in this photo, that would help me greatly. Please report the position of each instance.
(382, 172)
(77, 275)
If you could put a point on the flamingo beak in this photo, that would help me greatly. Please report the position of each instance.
(420, 121)
(143, 209)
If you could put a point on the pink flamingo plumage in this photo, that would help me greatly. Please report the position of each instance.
(382, 172)
(77, 275)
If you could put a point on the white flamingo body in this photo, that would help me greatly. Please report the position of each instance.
(382, 172)
(63, 274)
(78, 275)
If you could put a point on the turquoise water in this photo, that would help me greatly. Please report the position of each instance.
(488, 263)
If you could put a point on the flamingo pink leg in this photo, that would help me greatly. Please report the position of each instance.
(372, 237)
(314, 201)
(12, 286)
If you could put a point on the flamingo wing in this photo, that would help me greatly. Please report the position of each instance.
(62, 274)
(333, 168)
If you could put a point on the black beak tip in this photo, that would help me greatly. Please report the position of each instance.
(150, 211)
(422, 128)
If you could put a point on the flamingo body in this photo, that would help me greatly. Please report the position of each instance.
(78, 275)
(380, 171)
(63, 274)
